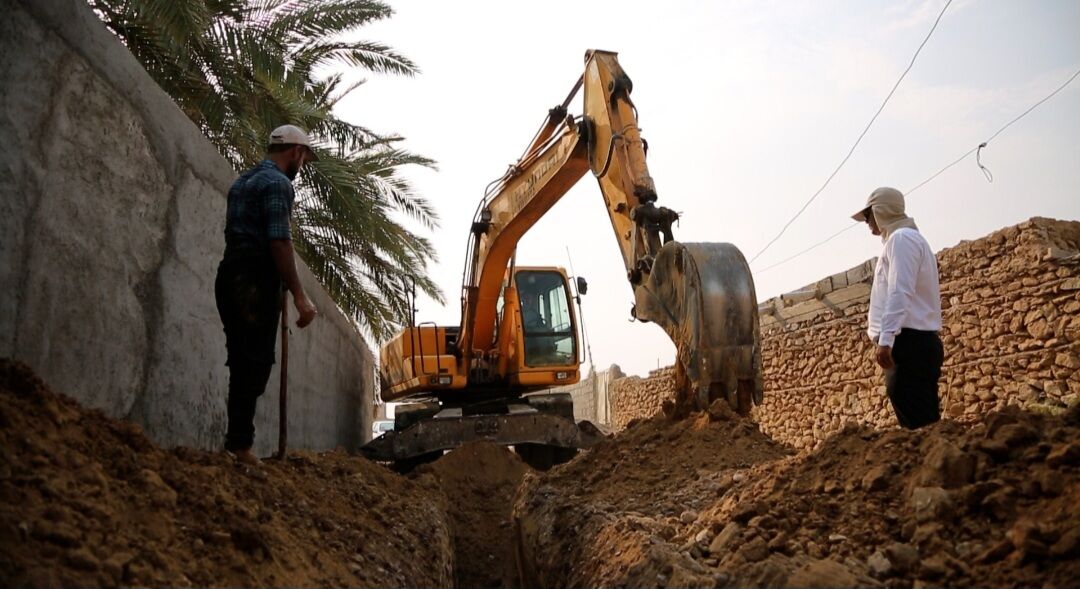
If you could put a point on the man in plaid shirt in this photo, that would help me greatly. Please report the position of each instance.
(258, 261)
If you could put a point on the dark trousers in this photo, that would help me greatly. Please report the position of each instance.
(912, 384)
(248, 293)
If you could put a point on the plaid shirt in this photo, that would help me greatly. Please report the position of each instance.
(260, 205)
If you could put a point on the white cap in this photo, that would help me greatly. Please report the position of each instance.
(291, 135)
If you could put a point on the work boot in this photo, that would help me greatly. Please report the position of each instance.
(245, 456)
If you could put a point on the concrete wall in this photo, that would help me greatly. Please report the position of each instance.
(1011, 312)
(591, 400)
(111, 216)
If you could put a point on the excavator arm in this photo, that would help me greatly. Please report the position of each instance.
(701, 294)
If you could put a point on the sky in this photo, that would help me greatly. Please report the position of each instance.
(747, 106)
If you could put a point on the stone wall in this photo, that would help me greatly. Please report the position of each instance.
(111, 215)
(635, 397)
(1011, 334)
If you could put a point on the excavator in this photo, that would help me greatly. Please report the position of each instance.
(520, 335)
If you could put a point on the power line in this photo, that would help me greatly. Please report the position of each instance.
(861, 135)
(932, 177)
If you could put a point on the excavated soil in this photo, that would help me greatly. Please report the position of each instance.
(89, 501)
(707, 501)
(479, 482)
(711, 502)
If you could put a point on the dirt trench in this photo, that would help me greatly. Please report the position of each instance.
(707, 501)
(712, 502)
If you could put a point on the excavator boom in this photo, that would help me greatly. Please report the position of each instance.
(701, 294)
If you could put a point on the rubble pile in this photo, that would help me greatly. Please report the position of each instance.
(611, 517)
(988, 504)
(90, 501)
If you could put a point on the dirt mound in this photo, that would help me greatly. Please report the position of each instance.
(88, 501)
(479, 482)
(994, 504)
(989, 504)
(610, 516)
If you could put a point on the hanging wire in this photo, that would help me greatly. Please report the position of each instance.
(978, 160)
(974, 150)
(860, 138)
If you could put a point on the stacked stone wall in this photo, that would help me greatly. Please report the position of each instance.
(635, 397)
(1011, 332)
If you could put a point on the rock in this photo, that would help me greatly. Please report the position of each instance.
(837, 538)
(1068, 546)
(996, 552)
(688, 517)
(1000, 504)
(703, 537)
(946, 466)
(61, 534)
(934, 567)
(930, 503)
(1015, 434)
(904, 557)
(114, 565)
(1064, 455)
(721, 544)
(821, 574)
(1029, 541)
(161, 494)
(996, 449)
(81, 559)
(755, 550)
(880, 566)
(877, 478)
(1067, 360)
(779, 543)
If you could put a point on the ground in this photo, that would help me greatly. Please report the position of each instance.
(707, 501)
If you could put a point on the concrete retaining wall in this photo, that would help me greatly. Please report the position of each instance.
(591, 400)
(111, 216)
(1011, 312)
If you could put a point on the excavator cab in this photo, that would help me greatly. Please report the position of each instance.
(547, 320)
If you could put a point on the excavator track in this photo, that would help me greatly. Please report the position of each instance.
(702, 295)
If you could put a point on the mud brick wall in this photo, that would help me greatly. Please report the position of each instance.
(635, 397)
(1011, 330)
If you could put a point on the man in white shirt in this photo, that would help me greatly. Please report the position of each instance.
(905, 310)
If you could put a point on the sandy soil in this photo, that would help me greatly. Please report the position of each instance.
(90, 501)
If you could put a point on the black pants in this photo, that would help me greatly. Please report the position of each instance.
(248, 293)
(913, 383)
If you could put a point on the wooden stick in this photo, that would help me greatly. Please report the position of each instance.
(283, 412)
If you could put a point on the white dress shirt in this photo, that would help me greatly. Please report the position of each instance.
(905, 293)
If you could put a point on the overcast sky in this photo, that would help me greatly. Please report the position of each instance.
(747, 108)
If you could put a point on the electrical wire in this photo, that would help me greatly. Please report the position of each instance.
(861, 135)
(934, 175)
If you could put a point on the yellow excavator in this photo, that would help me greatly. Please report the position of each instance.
(519, 332)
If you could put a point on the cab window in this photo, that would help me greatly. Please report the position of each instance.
(545, 318)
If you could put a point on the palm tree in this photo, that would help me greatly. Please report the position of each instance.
(239, 68)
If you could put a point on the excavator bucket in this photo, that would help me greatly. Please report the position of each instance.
(702, 295)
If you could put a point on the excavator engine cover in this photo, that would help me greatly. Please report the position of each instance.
(702, 295)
